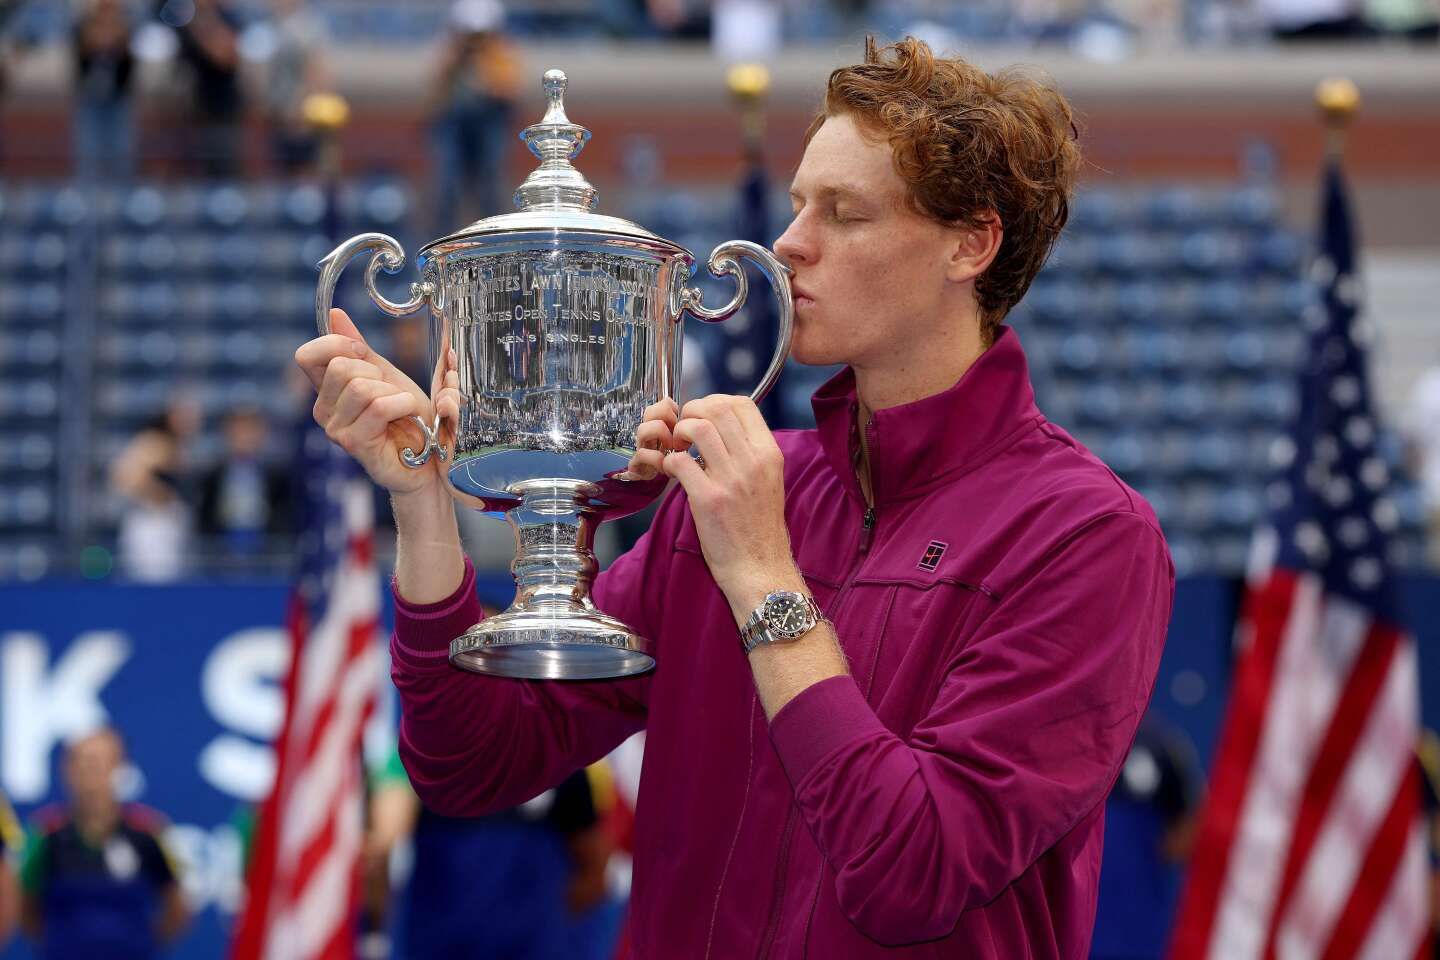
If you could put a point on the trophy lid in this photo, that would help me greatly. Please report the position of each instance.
(555, 196)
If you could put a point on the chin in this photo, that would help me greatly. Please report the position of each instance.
(817, 347)
(812, 355)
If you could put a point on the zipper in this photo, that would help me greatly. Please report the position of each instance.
(867, 522)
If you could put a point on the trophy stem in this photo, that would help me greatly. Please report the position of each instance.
(554, 556)
(552, 631)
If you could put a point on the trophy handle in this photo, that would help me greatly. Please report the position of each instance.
(725, 261)
(390, 257)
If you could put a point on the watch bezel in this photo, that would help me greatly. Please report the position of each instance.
(797, 602)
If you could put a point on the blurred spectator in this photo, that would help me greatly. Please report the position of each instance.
(243, 501)
(473, 100)
(104, 67)
(520, 884)
(97, 881)
(1314, 20)
(680, 19)
(1149, 831)
(295, 71)
(209, 34)
(1423, 436)
(11, 844)
(155, 523)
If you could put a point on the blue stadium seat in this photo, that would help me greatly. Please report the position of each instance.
(1078, 352)
(1124, 451)
(1238, 507)
(32, 349)
(1208, 252)
(1188, 402)
(144, 207)
(385, 204)
(1178, 208)
(1256, 206)
(1279, 252)
(1156, 351)
(1096, 210)
(1101, 403)
(1217, 452)
(1272, 400)
(1130, 252)
(26, 451)
(226, 206)
(305, 206)
(26, 558)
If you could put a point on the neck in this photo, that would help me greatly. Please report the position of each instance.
(96, 821)
(910, 378)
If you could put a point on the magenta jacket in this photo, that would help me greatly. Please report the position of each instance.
(1002, 611)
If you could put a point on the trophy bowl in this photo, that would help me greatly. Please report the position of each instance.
(557, 327)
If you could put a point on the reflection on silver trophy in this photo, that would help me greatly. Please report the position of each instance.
(558, 326)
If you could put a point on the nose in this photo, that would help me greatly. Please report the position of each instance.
(794, 245)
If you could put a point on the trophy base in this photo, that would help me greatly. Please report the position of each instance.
(551, 645)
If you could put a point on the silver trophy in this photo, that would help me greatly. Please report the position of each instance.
(559, 326)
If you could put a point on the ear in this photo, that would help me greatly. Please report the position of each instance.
(974, 249)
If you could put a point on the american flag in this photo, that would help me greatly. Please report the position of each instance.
(303, 880)
(1312, 842)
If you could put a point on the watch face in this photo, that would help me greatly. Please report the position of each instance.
(787, 615)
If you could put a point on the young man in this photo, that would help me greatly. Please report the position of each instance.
(922, 772)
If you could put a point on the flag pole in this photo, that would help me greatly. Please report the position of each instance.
(327, 114)
(749, 85)
(1339, 100)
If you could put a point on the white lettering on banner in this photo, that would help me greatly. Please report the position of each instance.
(40, 707)
(241, 687)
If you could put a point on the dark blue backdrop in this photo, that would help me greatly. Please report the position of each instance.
(189, 673)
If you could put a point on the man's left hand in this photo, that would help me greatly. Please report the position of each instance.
(737, 496)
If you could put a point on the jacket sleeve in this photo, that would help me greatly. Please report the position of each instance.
(474, 744)
(1026, 736)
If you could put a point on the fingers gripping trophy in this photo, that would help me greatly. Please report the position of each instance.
(553, 328)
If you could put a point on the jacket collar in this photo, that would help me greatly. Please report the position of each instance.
(917, 446)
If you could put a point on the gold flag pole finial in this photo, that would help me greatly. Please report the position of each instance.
(1339, 100)
(748, 84)
(326, 112)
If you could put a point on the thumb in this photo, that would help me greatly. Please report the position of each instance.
(341, 323)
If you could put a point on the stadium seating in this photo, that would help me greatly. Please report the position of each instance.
(1164, 334)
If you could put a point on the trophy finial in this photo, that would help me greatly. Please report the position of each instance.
(556, 184)
(554, 84)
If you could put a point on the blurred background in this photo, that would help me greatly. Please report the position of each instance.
(172, 171)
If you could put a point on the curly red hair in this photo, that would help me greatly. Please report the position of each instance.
(970, 145)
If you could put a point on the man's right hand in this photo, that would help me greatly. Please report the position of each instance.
(364, 403)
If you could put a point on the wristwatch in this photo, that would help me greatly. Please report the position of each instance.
(782, 617)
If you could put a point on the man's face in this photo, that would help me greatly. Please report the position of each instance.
(90, 768)
(869, 269)
(245, 435)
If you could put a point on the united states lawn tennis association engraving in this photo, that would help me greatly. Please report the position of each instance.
(524, 295)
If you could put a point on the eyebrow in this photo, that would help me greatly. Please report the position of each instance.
(833, 192)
